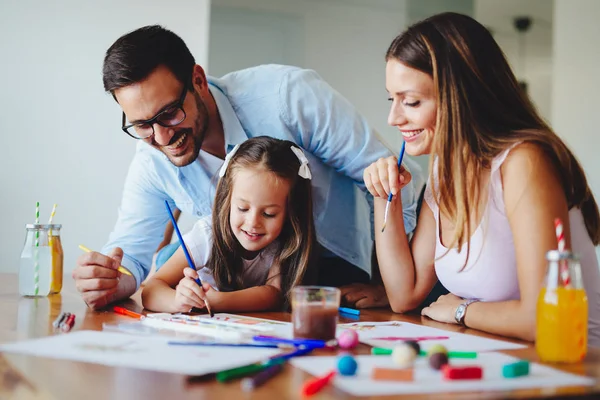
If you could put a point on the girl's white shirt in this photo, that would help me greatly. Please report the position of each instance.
(199, 242)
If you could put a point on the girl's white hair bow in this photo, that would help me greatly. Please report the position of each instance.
(228, 158)
(304, 171)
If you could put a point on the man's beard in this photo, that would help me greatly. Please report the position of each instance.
(197, 134)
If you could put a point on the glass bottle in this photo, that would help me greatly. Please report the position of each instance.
(35, 268)
(56, 280)
(562, 311)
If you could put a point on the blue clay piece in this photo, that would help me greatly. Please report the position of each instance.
(347, 365)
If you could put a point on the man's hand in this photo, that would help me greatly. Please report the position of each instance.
(96, 277)
(360, 295)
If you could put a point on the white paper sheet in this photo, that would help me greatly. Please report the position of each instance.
(142, 352)
(428, 380)
(390, 334)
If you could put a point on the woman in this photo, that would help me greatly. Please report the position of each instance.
(499, 178)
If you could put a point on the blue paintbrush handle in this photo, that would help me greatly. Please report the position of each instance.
(185, 251)
(400, 157)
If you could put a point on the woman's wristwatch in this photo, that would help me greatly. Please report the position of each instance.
(461, 311)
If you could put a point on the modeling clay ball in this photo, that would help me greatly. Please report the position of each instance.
(414, 345)
(437, 348)
(347, 365)
(438, 360)
(348, 339)
(404, 355)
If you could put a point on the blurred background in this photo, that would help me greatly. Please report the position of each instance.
(61, 133)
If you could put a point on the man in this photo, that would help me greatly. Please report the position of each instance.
(187, 123)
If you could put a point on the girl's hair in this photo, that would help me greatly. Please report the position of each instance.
(481, 111)
(296, 242)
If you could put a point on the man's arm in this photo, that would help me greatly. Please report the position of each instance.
(138, 230)
(329, 127)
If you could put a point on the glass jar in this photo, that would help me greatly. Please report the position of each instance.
(40, 269)
(56, 279)
(562, 311)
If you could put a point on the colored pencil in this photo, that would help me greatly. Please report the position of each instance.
(121, 268)
(390, 196)
(187, 254)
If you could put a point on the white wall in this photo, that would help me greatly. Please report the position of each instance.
(532, 63)
(343, 40)
(60, 131)
(576, 81)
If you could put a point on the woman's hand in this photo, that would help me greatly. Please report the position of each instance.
(443, 309)
(383, 177)
(188, 294)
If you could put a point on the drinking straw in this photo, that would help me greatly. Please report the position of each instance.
(560, 237)
(36, 268)
(50, 244)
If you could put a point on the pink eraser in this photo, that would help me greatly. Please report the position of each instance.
(462, 372)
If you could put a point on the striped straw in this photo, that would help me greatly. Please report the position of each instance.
(51, 245)
(52, 214)
(36, 271)
(560, 237)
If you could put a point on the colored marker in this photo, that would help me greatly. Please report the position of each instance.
(217, 344)
(380, 351)
(314, 343)
(59, 320)
(187, 254)
(315, 385)
(249, 384)
(233, 373)
(121, 268)
(245, 370)
(129, 313)
(346, 310)
(282, 357)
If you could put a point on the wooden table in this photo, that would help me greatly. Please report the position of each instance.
(33, 377)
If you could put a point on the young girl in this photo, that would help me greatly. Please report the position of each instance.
(499, 178)
(259, 244)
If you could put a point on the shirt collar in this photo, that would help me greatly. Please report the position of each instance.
(232, 128)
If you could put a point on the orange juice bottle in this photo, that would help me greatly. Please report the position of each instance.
(562, 311)
(57, 257)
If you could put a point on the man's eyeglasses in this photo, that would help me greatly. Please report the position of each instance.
(168, 117)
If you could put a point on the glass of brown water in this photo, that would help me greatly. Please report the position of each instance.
(315, 312)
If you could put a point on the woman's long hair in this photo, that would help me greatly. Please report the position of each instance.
(296, 242)
(481, 112)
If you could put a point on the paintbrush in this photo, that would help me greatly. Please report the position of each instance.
(187, 254)
(390, 196)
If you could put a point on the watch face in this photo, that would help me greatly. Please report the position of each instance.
(460, 313)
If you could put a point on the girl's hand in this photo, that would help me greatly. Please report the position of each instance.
(188, 294)
(443, 309)
(383, 177)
